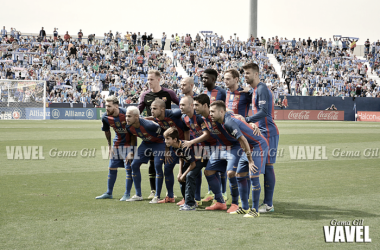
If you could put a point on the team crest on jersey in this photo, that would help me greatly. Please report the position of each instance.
(237, 97)
(164, 99)
(213, 98)
(117, 124)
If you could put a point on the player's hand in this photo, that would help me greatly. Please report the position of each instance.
(252, 167)
(182, 178)
(110, 152)
(240, 117)
(245, 90)
(179, 177)
(168, 159)
(129, 157)
(186, 144)
(256, 130)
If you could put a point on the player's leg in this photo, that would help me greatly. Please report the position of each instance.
(215, 165)
(191, 180)
(232, 165)
(259, 157)
(114, 164)
(269, 176)
(142, 157)
(152, 178)
(198, 187)
(158, 152)
(223, 181)
(128, 181)
(242, 178)
(169, 180)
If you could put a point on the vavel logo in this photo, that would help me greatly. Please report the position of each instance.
(346, 231)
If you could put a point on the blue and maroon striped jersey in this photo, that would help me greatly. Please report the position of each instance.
(172, 119)
(263, 110)
(219, 133)
(217, 93)
(239, 102)
(149, 132)
(197, 125)
(119, 124)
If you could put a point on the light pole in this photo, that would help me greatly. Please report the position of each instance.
(253, 18)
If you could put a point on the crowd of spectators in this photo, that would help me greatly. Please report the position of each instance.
(77, 71)
(323, 68)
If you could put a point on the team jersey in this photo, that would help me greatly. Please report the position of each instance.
(237, 128)
(187, 154)
(197, 125)
(147, 97)
(217, 131)
(119, 124)
(239, 102)
(217, 93)
(150, 132)
(263, 110)
(172, 119)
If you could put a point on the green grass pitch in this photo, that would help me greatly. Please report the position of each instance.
(50, 203)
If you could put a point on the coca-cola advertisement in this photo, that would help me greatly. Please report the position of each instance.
(313, 115)
(368, 116)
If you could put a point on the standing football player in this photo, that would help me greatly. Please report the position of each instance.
(215, 93)
(122, 148)
(167, 119)
(152, 144)
(263, 112)
(168, 96)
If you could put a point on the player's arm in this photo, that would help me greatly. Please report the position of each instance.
(204, 137)
(107, 133)
(174, 97)
(133, 144)
(191, 167)
(263, 100)
(141, 105)
(180, 169)
(233, 129)
(191, 159)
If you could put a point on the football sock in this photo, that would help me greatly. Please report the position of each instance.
(152, 175)
(128, 179)
(223, 181)
(112, 174)
(214, 184)
(234, 190)
(269, 183)
(159, 180)
(169, 179)
(136, 176)
(243, 191)
(256, 189)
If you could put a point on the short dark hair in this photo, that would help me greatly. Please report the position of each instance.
(252, 66)
(219, 104)
(172, 133)
(233, 72)
(211, 72)
(202, 99)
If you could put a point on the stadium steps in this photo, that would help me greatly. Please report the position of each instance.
(370, 75)
(276, 66)
(181, 71)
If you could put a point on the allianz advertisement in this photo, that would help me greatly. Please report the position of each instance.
(73, 113)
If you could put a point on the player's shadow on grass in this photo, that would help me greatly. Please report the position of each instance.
(292, 210)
